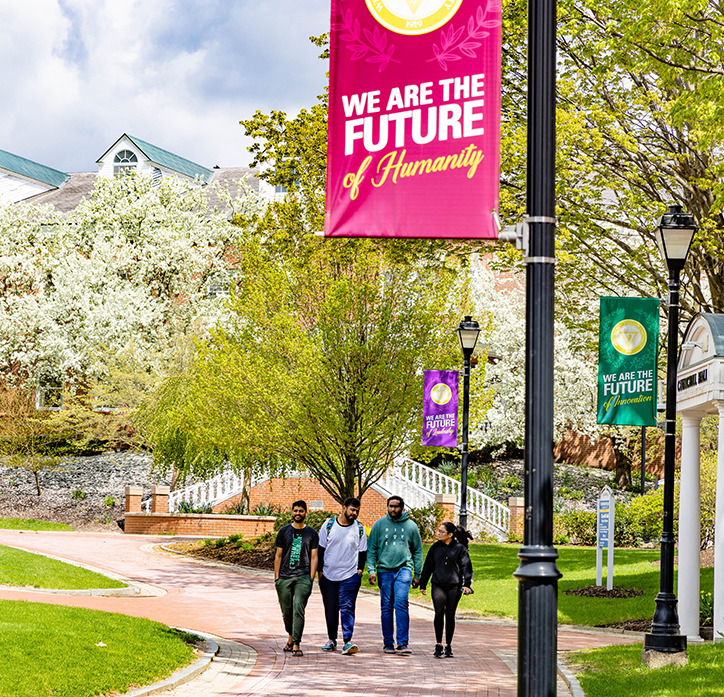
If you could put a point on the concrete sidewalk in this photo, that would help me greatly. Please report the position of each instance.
(243, 608)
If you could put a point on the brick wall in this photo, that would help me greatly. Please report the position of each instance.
(204, 524)
(447, 503)
(578, 449)
(517, 517)
(283, 492)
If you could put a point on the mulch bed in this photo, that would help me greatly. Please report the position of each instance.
(257, 558)
(632, 625)
(602, 592)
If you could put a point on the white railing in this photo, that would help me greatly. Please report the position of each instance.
(424, 482)
(415, 482)
(207, 493)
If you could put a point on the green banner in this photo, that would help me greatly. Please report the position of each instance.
(628, 339)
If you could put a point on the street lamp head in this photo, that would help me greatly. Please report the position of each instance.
(468, 331)
(674, 232)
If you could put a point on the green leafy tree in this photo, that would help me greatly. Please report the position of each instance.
(640, 97)
(25, 437)
(318, 368)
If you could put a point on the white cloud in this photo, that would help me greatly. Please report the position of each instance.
(79, 73)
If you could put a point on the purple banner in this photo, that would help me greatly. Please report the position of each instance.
(440, 409)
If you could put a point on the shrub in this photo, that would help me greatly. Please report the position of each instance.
(626, 527)
(109, 502)
(236, 537)
(79, 494)
(427, 518)
(238, 508)
(208, 543)
(515, 537)
(186, 507)
(221, 542)
(580, 526)
(645, 515)
(510, 481)
(560, 533)
(708, 498)
(266, 508)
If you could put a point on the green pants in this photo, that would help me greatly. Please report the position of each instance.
(293, 594)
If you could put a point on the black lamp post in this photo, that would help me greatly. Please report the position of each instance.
(468, 331)
(674, 233)
(538, 574)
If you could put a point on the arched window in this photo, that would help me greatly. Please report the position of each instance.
(124, 162)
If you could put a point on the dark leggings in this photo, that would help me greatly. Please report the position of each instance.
(445, 600)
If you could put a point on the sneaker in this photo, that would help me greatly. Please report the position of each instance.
(437, 653)
(448, 652)
(349, 648)
(330, 646)
(403, 648)
(389, 649)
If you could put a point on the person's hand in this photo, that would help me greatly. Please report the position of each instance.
(372, 579)
(422, 591)
(415, 582)
(467, 591)
(360, 572)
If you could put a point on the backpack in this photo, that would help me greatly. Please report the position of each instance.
(330, 525)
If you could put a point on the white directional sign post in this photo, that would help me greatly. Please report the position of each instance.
(605, 516)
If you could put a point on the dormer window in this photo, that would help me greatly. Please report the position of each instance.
(124, 162)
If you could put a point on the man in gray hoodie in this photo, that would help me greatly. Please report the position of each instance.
(394, 558)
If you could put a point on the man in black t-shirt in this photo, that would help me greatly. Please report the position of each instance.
(295, 564)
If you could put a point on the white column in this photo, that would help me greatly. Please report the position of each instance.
(689, 527)
(719, 533)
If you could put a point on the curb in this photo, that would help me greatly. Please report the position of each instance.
(184, 675)
(133, 589)
(573, 685)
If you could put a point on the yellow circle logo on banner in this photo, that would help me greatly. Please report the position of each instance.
(413, 17)
(628, 337)
(440, 393)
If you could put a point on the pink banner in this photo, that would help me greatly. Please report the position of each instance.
(414, 118)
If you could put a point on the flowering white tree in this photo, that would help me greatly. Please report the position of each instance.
(498, 413)
(129, 266)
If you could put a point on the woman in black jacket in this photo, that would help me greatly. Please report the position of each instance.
(448, 563)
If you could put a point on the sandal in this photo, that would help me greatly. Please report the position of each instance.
(297, 652)
(288, 647)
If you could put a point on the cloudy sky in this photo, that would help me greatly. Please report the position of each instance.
(77, 74)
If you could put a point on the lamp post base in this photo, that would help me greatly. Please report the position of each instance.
(661, 659)
(664, 650)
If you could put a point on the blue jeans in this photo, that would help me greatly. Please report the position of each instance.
(339, 598)
(394, 591)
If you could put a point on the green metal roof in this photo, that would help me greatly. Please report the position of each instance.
(31, 170)
(716, 325)
(173, 162)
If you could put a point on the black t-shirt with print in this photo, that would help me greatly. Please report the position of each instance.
(297, 546)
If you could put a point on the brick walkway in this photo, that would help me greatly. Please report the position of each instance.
(243, 608)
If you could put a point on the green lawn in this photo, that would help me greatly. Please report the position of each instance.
(19, 568)
(74, 652)
(32, 524)
(617, 670)
(496, 591)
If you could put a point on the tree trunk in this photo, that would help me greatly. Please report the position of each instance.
(623, 462)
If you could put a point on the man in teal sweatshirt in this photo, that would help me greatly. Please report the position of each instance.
(394, 554)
